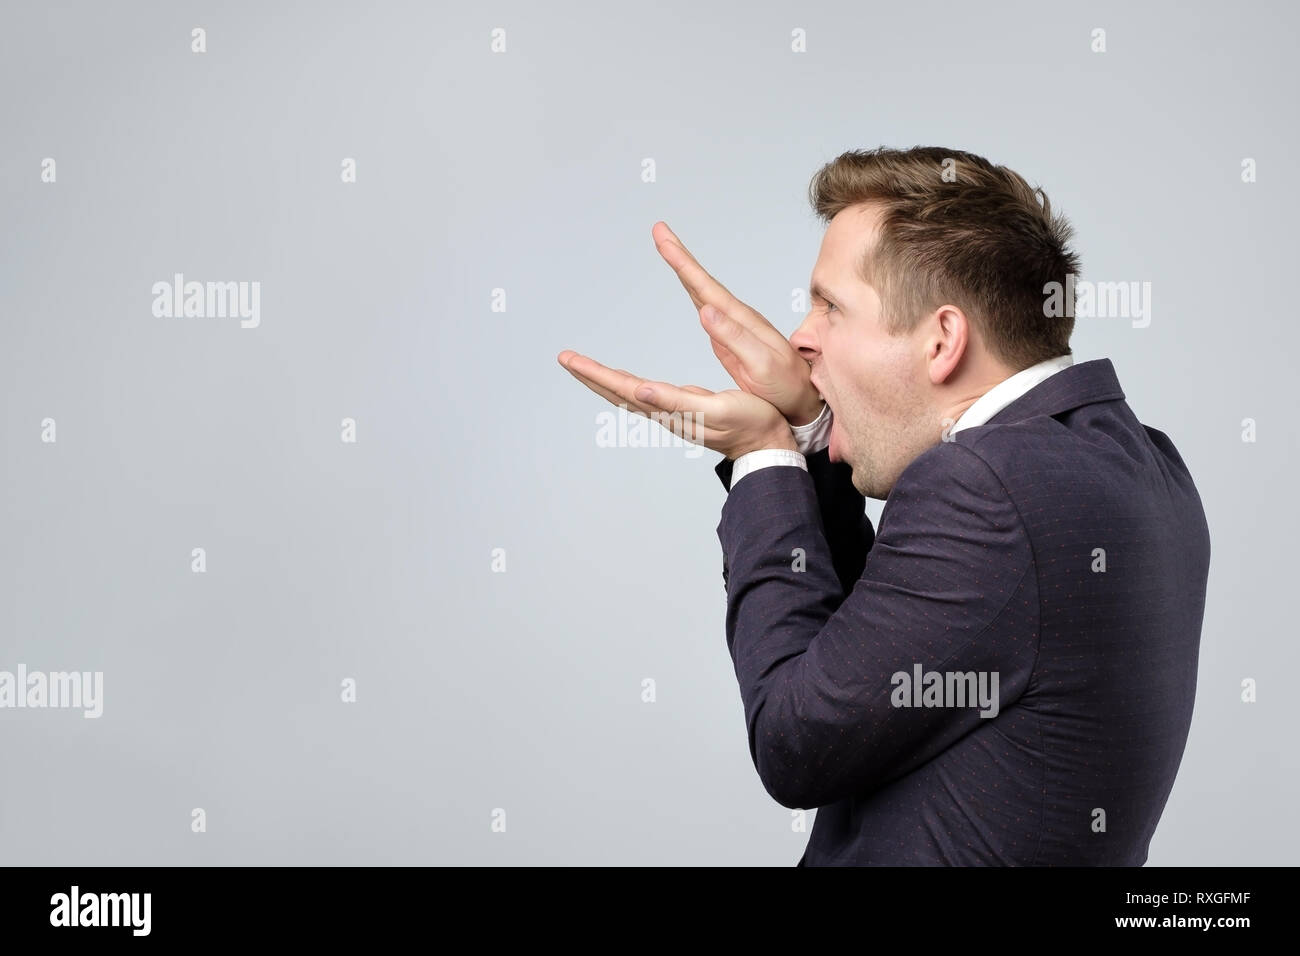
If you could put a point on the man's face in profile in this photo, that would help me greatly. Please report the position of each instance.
(876, 384)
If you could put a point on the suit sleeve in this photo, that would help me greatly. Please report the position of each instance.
(842, 509)
(949, 584)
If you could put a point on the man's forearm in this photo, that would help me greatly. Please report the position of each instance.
(849, 533)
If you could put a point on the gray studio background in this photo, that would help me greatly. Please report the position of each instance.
(522, 171)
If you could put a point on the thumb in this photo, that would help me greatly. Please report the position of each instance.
(732, 336)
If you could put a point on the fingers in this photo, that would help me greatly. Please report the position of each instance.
(682, 410)
(699, 285)
(706, 290)
(621, 388)
(747, 349)
(673, 398)
(730, 363)
(614, 385)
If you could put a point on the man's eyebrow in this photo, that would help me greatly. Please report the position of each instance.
(819, 290)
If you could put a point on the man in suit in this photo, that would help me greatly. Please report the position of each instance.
(1004, 672)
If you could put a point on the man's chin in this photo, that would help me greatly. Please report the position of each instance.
(858, 481)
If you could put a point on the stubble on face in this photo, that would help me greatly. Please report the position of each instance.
(876, 383)
(887, 435)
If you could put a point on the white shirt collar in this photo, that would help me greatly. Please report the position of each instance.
(1008, 390)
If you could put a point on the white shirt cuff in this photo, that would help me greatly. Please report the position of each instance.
(764, 458)
(810, 438)
(816, 435)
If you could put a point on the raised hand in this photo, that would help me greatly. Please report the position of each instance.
(757, 356)
(732, 422)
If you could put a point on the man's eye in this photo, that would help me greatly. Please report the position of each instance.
(829, 306)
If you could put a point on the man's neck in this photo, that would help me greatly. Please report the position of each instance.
(972, 388)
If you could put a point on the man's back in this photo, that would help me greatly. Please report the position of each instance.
(1069, 542)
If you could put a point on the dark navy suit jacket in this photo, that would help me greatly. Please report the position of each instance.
(1061, 545)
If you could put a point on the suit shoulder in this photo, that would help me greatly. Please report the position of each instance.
(1004, 448)
(953, 468)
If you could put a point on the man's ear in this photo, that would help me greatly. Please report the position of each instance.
(946, 341)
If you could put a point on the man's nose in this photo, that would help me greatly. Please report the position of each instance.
(804, 338)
